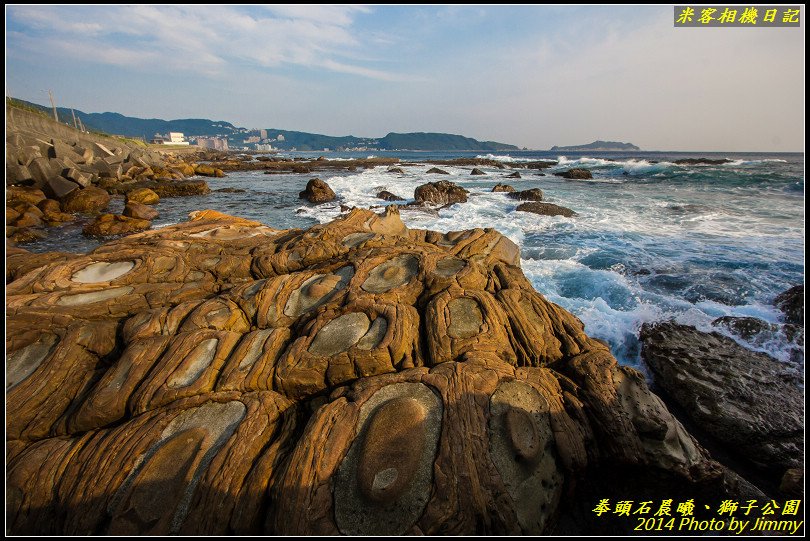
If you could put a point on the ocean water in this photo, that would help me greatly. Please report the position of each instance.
(652, 239)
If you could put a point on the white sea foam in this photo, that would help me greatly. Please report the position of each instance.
(735, 163)
(505, 159)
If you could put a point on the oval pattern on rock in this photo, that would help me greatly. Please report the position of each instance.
(317, 290)
(383, 484)
(93, 296)
(23, 362)
(102, 272)
(340, 334)
(522, 446)
(197, 361)
(466, 318)
(449, 266)
(391, 274)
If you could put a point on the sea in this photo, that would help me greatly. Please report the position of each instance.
(652, 240)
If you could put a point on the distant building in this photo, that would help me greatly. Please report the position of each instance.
(280, 138)
(264, 147)
(263, 134)
(253, 139)
(216, 143)
(176, 138)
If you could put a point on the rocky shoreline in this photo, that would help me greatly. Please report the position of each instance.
(358, 377)
(219, 376)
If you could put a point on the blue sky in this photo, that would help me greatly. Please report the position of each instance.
(531, 76)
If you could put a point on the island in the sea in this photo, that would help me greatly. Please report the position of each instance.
(600, 146)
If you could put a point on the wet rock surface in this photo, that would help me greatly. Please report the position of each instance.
(747, 401)
(545, 209)
(222, 377)
(576, 174)
(442, 192)
(317, 191)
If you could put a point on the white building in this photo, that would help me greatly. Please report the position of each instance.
(176, 138)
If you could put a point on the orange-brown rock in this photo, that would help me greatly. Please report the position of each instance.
(145, 196)
(140, 211)
(222, 377)
(107, 225)
(90, 200)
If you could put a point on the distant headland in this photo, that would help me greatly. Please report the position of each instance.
(269, 139)
(600, 146)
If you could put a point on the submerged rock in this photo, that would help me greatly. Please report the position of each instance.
(533, 194)
(546, 209)
(437, 171)
(442, 192)
(219, 376)
(504, 188)
(516, 174)
(388, 196)
(317, 191)
(576, 173)
(477, 171)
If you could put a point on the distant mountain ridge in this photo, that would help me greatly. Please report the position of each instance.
(118, 124)
(599, 145)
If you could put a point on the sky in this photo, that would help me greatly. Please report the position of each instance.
(532, 76)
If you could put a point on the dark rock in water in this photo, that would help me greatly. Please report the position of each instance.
(442, 192)
(140, 211)
(477, 171)
(437, 171)
(745, 400)
(107, 225)
(230, 190)
(744, 327)
(540, 174)
(533, 194)
(546, 209)
(504, 188)
(791, 302)
(513, 175)
(219, 376)
(701, 161)
(396, 170)
(576, 173)
(388, 196)
(317, 191)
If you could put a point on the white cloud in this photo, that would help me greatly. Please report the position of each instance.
(201, 39)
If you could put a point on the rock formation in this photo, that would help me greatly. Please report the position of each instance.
(317, 191)
(505, 188)
(442, 192)
(747, 401)
(388, 196)
(545, 209)
(533, 194)
(222, 377)
(576, 173)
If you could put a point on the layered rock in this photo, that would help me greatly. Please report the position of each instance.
(219, 376)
